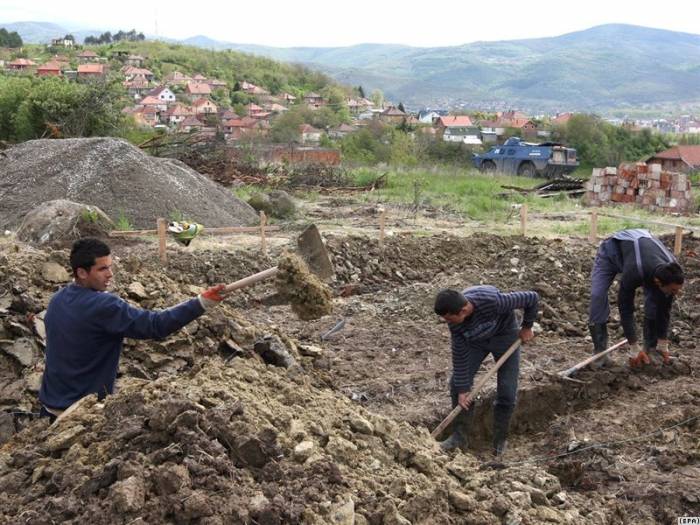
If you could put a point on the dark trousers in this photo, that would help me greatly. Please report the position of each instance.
(607, 264)
(507, 375)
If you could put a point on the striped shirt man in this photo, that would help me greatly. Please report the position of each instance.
(492, 317)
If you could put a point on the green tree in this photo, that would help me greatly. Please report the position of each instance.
(13, 91)
(377, 98)
(57, 108)
(286, 127)
(12, 40)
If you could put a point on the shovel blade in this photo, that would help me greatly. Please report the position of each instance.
(314, 253)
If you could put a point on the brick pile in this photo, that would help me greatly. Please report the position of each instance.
(645, 185)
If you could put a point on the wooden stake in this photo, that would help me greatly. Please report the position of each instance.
(161, 223)
(382, 222)
(593, 237)
(263, 241)
(474, 391)
(678, 244)
(523, 219)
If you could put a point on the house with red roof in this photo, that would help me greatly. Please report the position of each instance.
(682, 159)
(216, 83)
(143, 115)
(457, 128)
(177, 113)
(197, 89)
(190, 124)
(176, 78)
(252, 89)
(393, 115)
(562, 118)
(132, 73)
(91, 71)
(135, 60)
(138, 87)
(86, 56)
(204, 106)
(49, 69)
(21, 64)
(314, 100)
(153, 102)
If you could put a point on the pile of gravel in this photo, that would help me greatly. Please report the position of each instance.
(117, 177)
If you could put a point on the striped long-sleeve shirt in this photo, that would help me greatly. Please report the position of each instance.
(492, 316)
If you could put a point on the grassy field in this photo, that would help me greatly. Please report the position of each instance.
(482, 198)
(483, 202)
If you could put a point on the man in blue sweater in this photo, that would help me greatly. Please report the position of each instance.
(86, 326)
(482, 321)
(643, 261)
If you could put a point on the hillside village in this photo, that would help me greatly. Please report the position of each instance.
(186, 103)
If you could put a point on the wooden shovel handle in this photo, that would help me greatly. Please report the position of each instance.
(589, 360)
(474, 391)
(251, 279)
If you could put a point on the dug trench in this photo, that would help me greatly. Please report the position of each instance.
(203, 431)
(393, 357)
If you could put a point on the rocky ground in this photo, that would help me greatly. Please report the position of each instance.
(249, 415)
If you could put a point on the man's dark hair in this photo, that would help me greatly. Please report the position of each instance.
(449, 302)
(85, 251)
(669, 273)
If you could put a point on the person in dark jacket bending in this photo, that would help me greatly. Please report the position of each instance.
(482, 321)
(643, 261)
(86, 326)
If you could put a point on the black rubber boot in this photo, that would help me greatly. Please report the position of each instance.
(456, 440)
(460, 424)
(599, 335)
(501, 422)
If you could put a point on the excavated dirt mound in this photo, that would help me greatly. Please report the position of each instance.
(203, 431)
(248, 444)
(115, 176)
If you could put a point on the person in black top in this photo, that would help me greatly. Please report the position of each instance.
(642, 260)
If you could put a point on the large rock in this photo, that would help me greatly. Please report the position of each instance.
(117, 177)
(62, 219)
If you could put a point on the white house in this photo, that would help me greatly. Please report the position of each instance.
(163, 93)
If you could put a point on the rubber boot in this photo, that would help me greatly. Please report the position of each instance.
(599, 335)
(501, 422)
(460, 426)
(456, 440)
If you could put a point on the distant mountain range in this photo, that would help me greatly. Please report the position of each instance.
(606, 67)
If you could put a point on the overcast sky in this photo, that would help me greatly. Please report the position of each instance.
(321, 23)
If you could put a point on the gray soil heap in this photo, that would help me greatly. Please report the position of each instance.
(115, 176)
